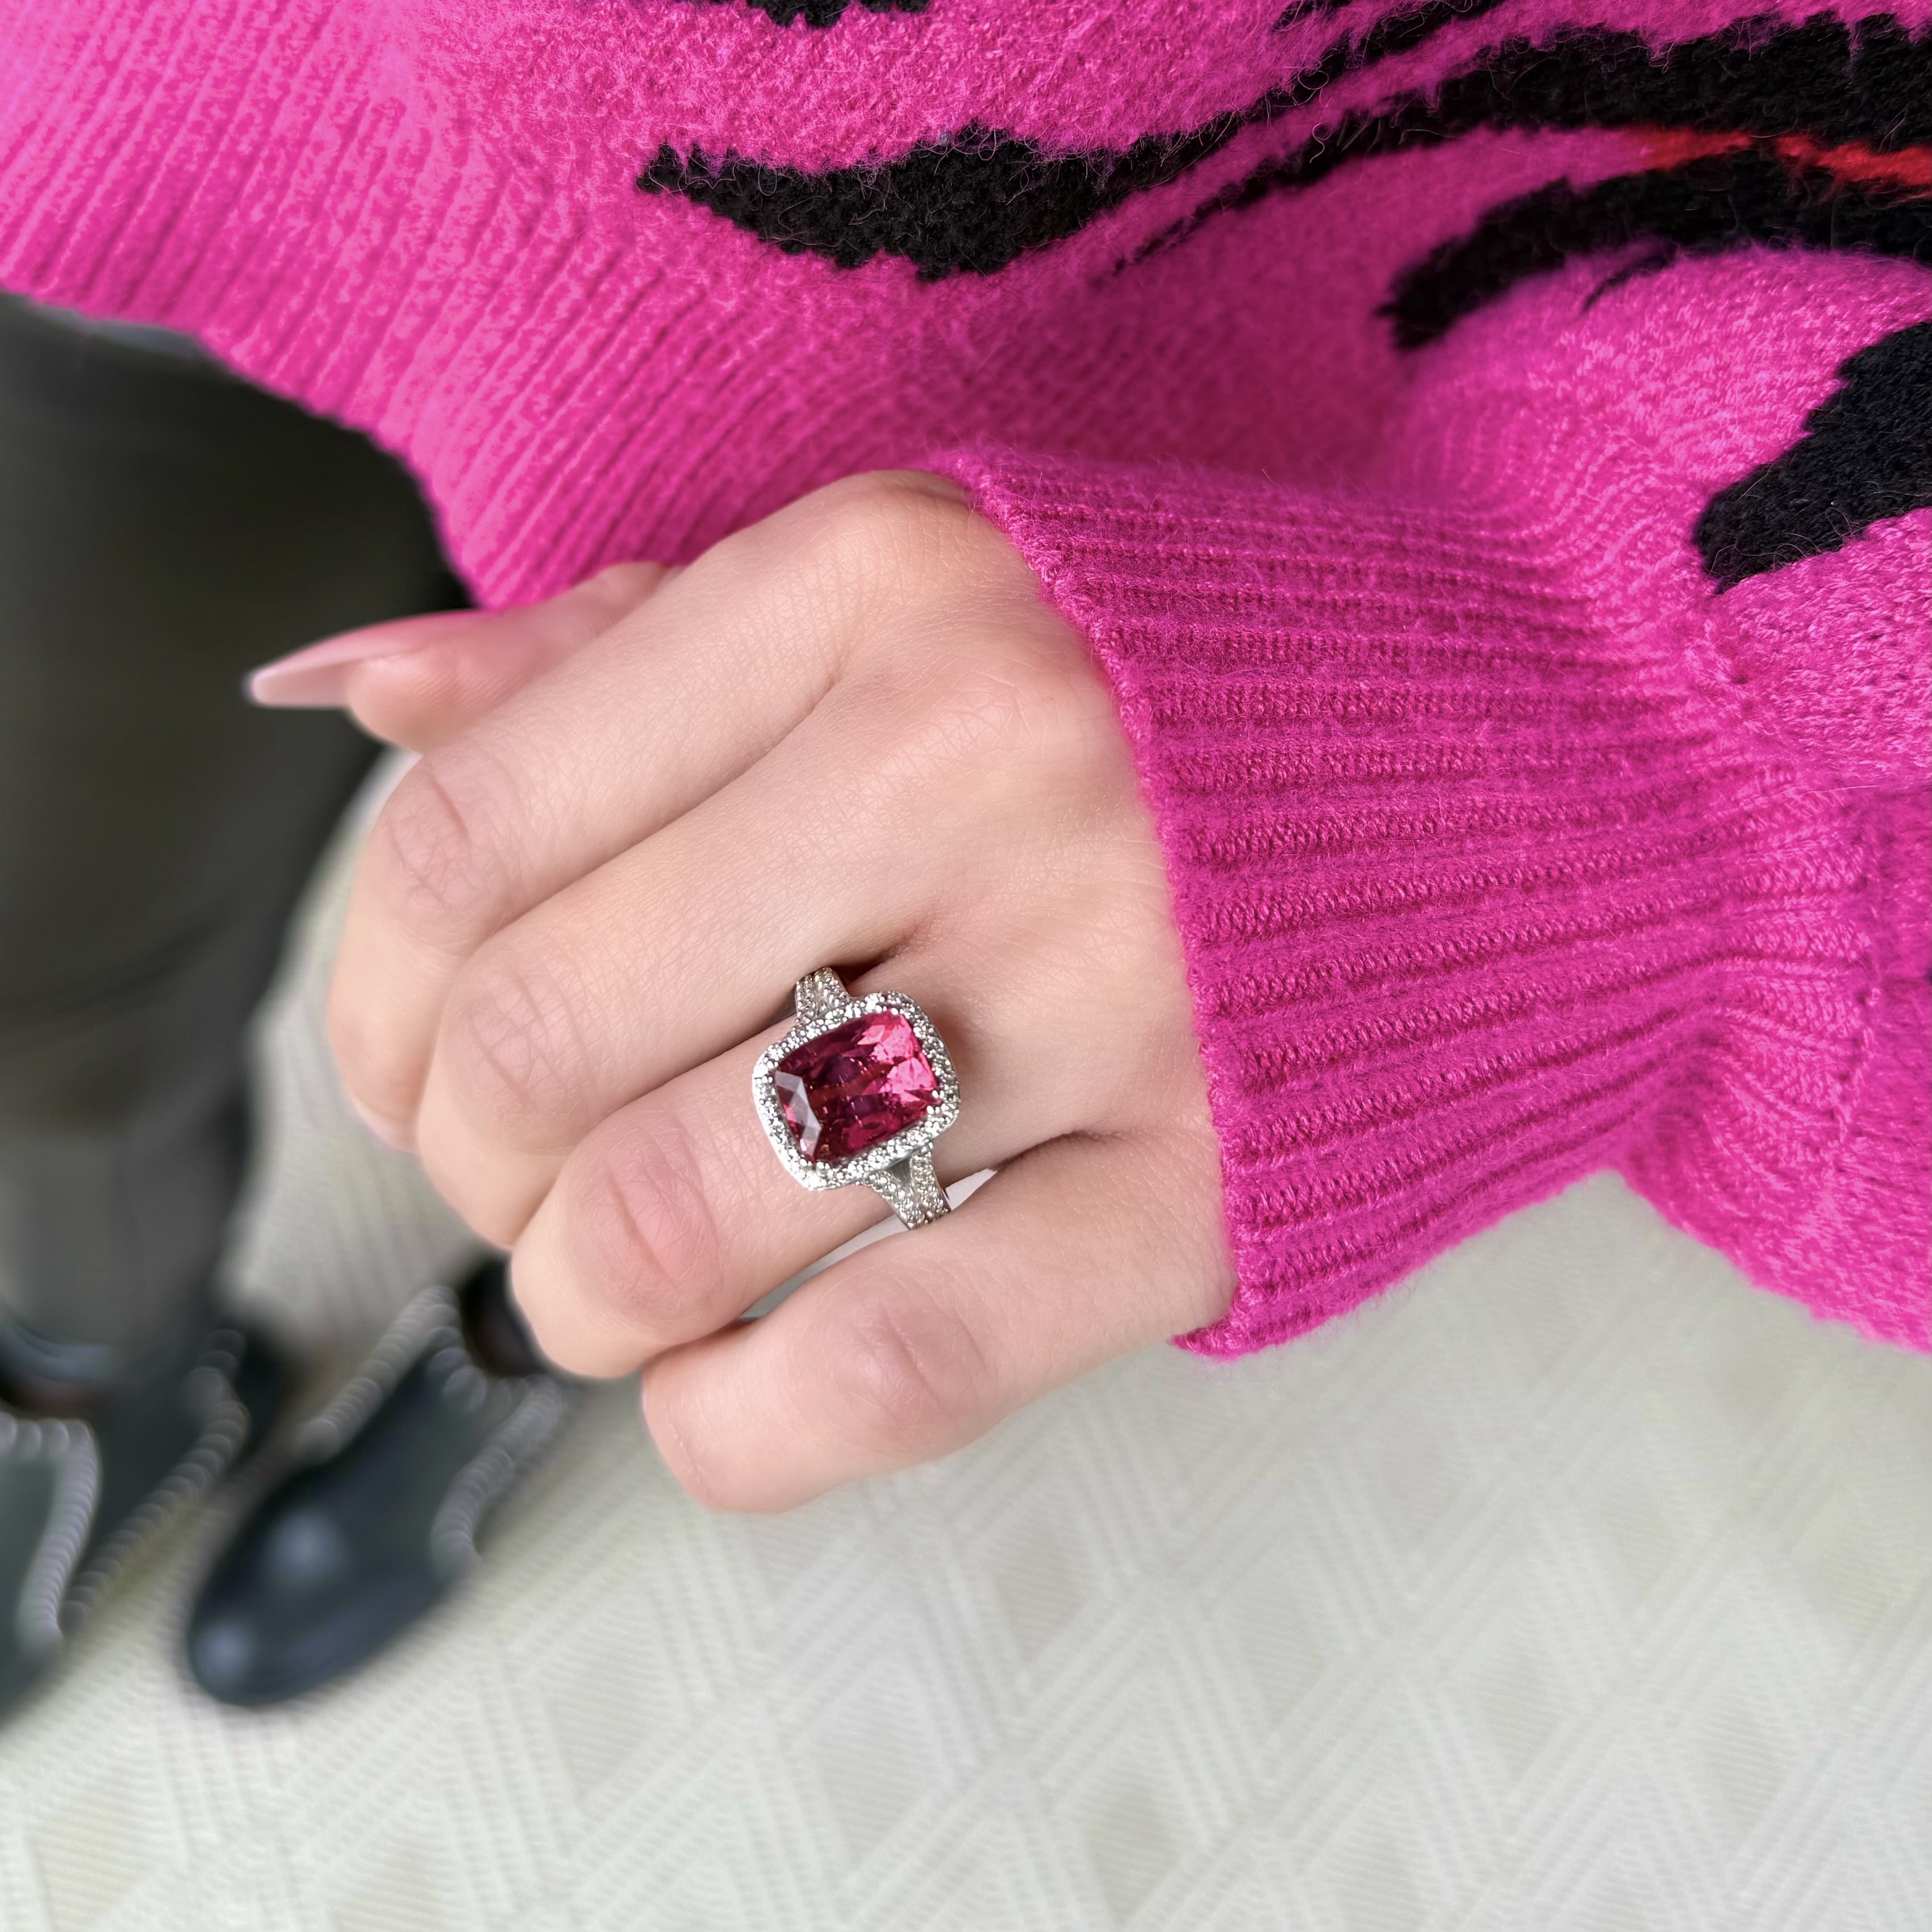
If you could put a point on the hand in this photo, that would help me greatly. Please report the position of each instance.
(854, 735)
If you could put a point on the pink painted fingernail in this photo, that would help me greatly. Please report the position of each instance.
(317, 677)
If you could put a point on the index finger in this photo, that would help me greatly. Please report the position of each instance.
(417, 681)
(425, 693)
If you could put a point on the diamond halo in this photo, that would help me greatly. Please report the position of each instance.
(899, 1168)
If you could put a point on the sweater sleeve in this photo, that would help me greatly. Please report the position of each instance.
(1483, 884)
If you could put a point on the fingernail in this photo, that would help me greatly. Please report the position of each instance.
(317, 675)
(390, 1135)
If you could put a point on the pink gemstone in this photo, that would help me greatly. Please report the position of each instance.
(854, 1086)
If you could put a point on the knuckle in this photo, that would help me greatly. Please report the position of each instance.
(433, 859)
(910, 1376)
(643, 1232)
(847, 567)
(882, 533)
(991, 730)
(989, 703)
(867, 508)
(514, 1047)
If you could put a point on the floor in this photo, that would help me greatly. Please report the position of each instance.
(1572, 1586)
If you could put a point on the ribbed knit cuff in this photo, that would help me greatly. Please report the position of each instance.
(1476, 895)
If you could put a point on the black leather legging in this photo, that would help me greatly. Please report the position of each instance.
(162, 527)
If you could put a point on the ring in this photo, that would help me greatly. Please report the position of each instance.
(858, 1091)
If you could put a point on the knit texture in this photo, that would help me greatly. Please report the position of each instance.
(1477, 896)
(1482, 439)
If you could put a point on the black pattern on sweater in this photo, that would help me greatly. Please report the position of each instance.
(976, 200)
(1871, 83)
(826, 12)
(979, 198)
(1723, 201)
(1866, 454)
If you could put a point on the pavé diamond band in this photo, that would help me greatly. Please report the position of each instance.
(858, 1091)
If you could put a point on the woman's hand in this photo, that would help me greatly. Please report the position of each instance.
(853, 736)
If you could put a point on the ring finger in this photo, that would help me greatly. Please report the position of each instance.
(673, 1215)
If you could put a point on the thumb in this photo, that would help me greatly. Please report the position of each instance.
(418, 681)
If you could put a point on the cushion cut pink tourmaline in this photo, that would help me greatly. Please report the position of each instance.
(854, 1086)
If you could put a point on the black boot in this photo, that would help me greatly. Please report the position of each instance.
(377, 1519)
(90, 1467)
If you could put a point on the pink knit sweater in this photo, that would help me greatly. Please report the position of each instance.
(1484, 440)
